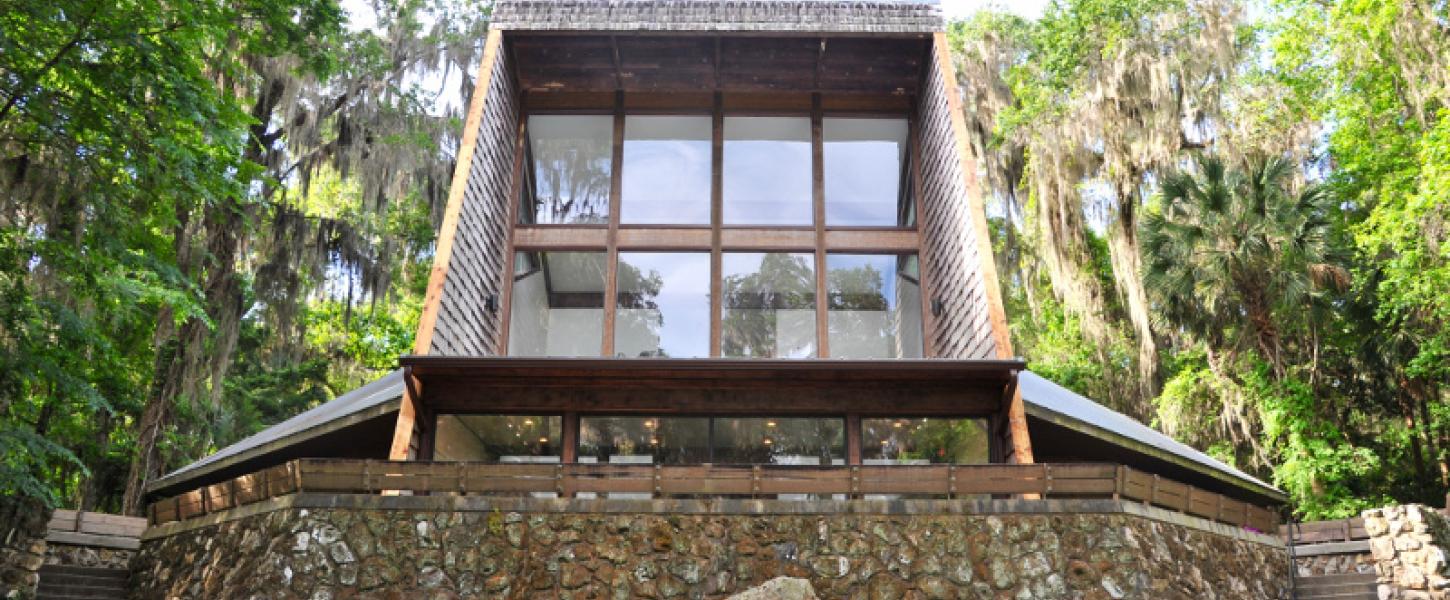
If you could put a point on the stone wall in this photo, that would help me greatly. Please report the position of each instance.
(316, 546)
(22, 545)
(1344, 563)
(88, 556)
(1410, 545)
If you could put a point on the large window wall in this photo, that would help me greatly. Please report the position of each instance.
(714, 231)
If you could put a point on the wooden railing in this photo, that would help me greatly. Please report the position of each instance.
(1077, 480)
(81, 528)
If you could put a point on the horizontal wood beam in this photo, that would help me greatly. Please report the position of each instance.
(567, 237)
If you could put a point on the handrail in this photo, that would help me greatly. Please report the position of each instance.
(1070, 480)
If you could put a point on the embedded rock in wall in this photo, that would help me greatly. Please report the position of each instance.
(780, 588)
(335, 552)
(1348, 563)
(1410, 545)
(23, 524)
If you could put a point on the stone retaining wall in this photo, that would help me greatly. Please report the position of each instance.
(22, 545)
(1346, 563)
(1410, 545)
(88, 556)
(319, 546)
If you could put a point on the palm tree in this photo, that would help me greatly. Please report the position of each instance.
(1233, 256)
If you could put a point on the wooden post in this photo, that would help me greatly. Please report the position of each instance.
(996, 310)
(611, 265)
(717, 215)
(818, 208)
(853, 439)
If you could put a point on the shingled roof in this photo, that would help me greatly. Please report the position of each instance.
(795, 16)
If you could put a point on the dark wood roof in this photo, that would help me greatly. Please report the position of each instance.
(634, 62)
(889, 16)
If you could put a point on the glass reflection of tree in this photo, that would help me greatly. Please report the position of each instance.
(852, 295)
(571, 178)
(748, 327)
(958, 441)
(637, 306)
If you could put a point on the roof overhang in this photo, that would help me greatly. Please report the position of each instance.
(1052, 403)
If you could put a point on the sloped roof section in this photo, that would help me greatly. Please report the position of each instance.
(795, 16)
(380, 396)
(1051, 402)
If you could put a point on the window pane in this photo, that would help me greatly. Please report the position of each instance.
(570, 159)
(498, 438)
(769, 305)
(666, 176)
(558, 304)
(924, 441)
(874, 304)
(763, 440)
(663, 305)
(864, 160)
(644, 440)
(767, 171)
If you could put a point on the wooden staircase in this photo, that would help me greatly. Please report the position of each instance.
(1356, 586)
(82, 583)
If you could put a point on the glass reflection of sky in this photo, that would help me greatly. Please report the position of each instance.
(683, 301)
(767, 171)
(863, 160)
(666, 172)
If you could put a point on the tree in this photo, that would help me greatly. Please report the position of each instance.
(1227, 246)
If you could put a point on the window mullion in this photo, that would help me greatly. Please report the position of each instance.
(611, 275)
(717, 144)
(818, 197)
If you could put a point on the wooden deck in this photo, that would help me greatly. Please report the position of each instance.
(1078, 480)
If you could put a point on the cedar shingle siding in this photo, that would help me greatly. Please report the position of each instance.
(949, 246)
(465, 327)
(719, 15)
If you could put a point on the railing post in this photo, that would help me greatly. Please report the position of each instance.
(951, 481)
(754, 480)
(367, 475)
(656, 483)
(855, 481)
(462, 479)
(296, 467)
(1119, 481)
(1153, 491)
(1046, 479)
(559, 480)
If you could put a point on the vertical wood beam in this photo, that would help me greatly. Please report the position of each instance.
(818, 204)
(928, 320)
(717, 215)
(408, 412)
(506, 291)
(408, 409)
(853, 439)
(611, 257)
(996, 311)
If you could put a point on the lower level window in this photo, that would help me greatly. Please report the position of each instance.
(924, 441)
(720, 440)
(498, 438)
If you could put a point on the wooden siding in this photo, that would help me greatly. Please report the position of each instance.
(464, 326)
(950, 256)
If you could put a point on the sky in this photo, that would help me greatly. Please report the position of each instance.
(961, 9)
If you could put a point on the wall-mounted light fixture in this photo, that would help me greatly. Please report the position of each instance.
(490, 302)
(937, 306)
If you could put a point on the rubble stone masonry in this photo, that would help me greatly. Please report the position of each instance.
(321, 546)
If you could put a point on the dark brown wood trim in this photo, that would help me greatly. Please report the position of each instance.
(561, 237)
(818, 203)
(853, 439)
(928, 320)
(570, 442)
(717, 211)
(506, 290)
(443, 253)
(611, 266)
